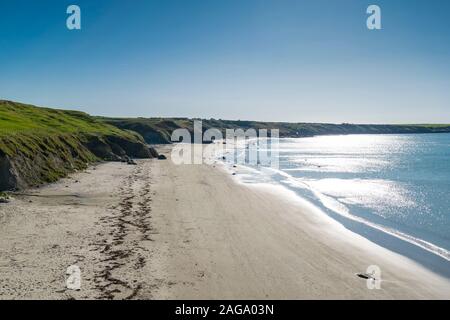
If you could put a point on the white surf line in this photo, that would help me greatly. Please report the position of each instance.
(344, 211)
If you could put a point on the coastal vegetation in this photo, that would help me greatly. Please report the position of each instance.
(41, 145)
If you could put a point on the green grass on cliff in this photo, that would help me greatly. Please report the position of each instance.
(25, 127)
(42, 145)
(21, 118)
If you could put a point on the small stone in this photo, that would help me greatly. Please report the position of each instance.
(131, 162)
(153, 152)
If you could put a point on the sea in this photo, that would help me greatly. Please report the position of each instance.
(393, 189)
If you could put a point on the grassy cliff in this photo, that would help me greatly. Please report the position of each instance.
(40, 145)
(159, 130)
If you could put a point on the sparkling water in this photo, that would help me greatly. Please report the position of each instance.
(393, 189)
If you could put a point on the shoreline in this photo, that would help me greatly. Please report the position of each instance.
(400, 238)
(388, 239)
(161, 231)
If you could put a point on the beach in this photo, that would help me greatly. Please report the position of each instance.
(163, 231)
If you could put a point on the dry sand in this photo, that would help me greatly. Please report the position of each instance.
(161, 231)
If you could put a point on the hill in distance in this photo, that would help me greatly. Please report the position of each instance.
(40, 145)
(159, 130)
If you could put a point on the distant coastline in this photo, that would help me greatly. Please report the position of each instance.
(40, 145)
(158, 130)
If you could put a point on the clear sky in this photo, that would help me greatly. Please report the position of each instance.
(273, 60)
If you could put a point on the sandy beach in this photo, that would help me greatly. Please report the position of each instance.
(161, 231)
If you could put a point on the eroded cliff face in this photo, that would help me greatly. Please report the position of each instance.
(32, 161)
(8, 178)
(114, 148)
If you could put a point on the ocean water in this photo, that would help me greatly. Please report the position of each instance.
(392, 189)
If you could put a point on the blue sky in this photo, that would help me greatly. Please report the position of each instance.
(273, 60)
